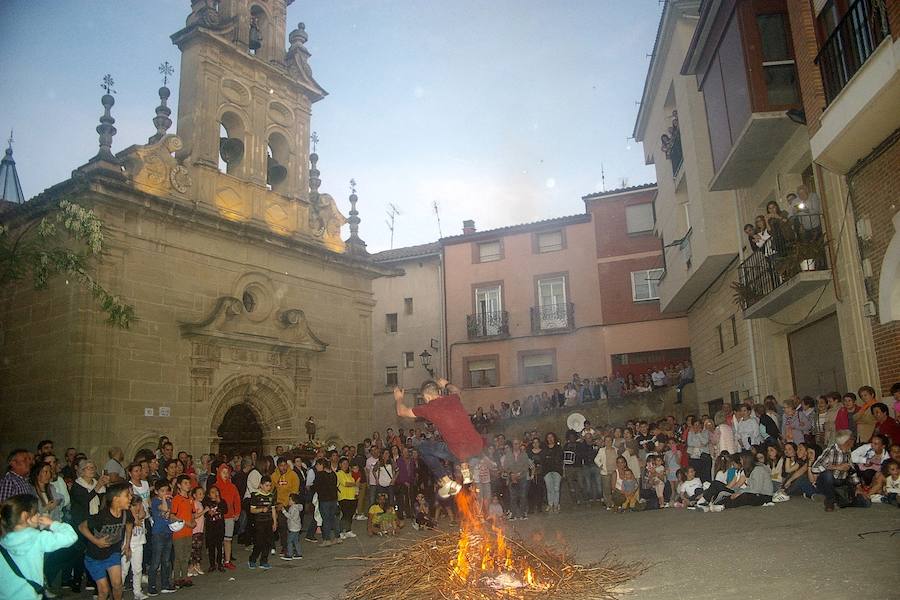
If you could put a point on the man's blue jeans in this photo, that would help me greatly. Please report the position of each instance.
(328, 510)
(432, 452)
(826, 484)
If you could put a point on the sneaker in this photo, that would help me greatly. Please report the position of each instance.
(169, 590)
(265, 566)
(312, 540)
(251, 565)
(701, 501)
(272, 551)
(230, 566)
(350, 534)
(152, 594)
(49, 594)
(415, 526)
(297, 558)
(361, 518)
(716, 508)
(284, 557)
(342, 535)
(769, 504)
(525, 518)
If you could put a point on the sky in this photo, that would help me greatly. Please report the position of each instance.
(500, 111)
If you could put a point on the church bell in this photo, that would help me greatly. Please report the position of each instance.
(255, 36)
(231, 149)
(275, 172)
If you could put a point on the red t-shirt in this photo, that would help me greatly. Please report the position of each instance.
(182, 508)
(890, 428)
(452, 420)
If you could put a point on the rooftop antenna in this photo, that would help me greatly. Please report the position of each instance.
(437, 215)
(392, 213)
(602, 178)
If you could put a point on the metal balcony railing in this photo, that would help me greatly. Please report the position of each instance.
(553, 317)
(676, 154)
(796, 246)
(850, 45)
(488, 324)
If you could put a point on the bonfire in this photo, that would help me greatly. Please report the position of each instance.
(480, 562)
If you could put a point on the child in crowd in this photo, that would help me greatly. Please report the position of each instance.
(656, 472)
(27, 536)
(672, 458)
(630, 491)
(495, 510)
(214, 526)
(262, 509)
(691, 489)
(891, 492)
(294, 516)
(423, 520)
(159, 578)
(383, 518)
(197, 534)
(107, 536)
(182, 509)
(138, 539)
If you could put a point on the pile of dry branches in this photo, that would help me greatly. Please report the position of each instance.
(425, 570)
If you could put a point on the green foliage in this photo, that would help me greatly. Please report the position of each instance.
(744, 295)
(42, 250)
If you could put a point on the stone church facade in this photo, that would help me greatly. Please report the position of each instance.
(250, 308)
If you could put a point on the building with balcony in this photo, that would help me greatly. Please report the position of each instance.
(529, 305)
(407, 327)
(759, 287)
(848, 60)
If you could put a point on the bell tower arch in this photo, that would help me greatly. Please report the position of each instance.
(244, 108)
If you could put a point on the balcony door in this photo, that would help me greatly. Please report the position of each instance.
(488, 308)
(552, 303)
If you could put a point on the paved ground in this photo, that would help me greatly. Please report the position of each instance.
(791, 550)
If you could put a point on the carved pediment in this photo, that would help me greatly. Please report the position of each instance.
(229, 321)
(153, 169)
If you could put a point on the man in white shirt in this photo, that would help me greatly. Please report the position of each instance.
(371, 476)
(867, 458)
(746, 428)
(659, 378)
(114, 467)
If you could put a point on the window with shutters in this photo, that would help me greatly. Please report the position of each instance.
(639, 218)
(538, 368)
(549, 241)
(489, 251)
(482, 372)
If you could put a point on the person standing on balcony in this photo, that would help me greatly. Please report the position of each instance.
(807, 207)
(779, 227)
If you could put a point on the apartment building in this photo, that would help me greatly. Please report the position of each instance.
(722, 120)
(529, 305)
(407, 327)
(848, 62)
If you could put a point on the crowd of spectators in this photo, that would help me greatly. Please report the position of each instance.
(160, 521)
(586, 390)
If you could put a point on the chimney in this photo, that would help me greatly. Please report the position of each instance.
(468, 226)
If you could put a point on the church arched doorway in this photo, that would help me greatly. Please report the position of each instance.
(240, 431)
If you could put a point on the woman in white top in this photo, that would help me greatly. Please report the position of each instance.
(724, 436)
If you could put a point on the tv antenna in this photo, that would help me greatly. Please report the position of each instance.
(392, 213)
(602, 177)
(437, 215)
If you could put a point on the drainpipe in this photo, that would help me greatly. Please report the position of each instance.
(749, 323)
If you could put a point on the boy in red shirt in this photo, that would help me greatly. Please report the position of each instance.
(461, 441)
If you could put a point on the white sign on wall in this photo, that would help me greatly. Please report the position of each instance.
(165, 411)
(149, 412)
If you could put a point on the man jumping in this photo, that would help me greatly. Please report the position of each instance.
(461, 441)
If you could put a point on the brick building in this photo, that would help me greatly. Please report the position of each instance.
(848, 61)
(529, 305)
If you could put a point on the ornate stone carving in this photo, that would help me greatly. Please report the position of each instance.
(153, 169)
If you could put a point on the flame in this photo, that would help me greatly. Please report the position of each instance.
(461, 569)
(483, 550)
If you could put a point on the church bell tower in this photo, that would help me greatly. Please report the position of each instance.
(244, 113)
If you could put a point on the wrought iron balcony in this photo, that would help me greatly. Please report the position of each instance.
(795, 257)
(488, 324)
(850, 45)
(552, 318)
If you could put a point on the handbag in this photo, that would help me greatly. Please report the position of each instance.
(38, 588)
(844, 495)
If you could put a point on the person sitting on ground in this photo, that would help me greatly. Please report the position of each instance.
(836, 477)
(888, 490)
(691, 489)
(461, 441)
(383, 518)
(423, 518)
(630, 492)
(756, 490)
(867, 459)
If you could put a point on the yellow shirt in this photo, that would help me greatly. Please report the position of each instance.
(285, 484)
(346, 492)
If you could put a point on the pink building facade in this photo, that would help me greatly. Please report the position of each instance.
(529, 305)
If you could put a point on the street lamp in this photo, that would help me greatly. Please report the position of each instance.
(426, 361)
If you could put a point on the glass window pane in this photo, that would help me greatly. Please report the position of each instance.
(639, 217)
(781, 84)
(773, 35)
